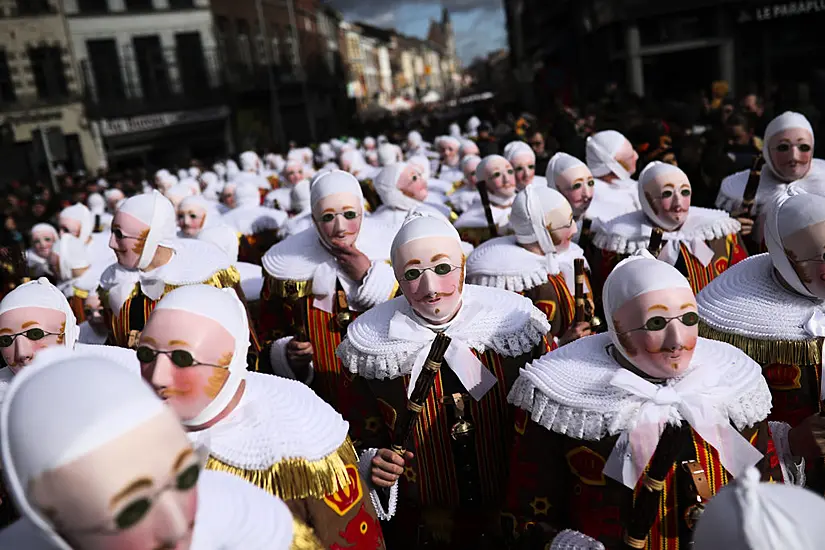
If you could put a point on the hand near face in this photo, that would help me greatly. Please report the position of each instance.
(747, 226)
(352, 261)
(576, 331)
(299, 354)
(387, 467)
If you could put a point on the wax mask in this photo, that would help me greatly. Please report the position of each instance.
(791, 152)
(658, 331)
(449, 153)
(338, 219)
(345, 165)
(128, 239)
(69, 225)
(627, 157)
(35, 328)
(430, 272)
(138, 491)
(806, 251)
(228, 196)
(577, 186)
(184, 337)
(470, 172)
(500, 178)
(412, 183)
(294, 173)
(669, 197)
(190, 220)
(42, 242)
(525, 167)
(469, 148)
(562, 226)
(93, 311)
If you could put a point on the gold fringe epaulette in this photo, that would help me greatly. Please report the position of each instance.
(766, 352)
(297, 478)
(225, 278)
(82, 294)
(303, 537)
(287, 289)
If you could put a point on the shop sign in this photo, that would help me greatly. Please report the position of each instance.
(782, 10)
(122, 126)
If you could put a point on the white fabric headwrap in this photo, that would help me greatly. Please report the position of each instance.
(45, 228)
(422, 163)
(224, 237)
(73, 255)
(250, 161)
(157, 212)
(633, 277)
(452, 140)
(516, 148)
(785, 121)
(225, 308)
(80, 213)
(178, 191)
(387, 154)
(332, 183)
(211, 217)
(246, 195)
(750, 515)
(75, 405)
(468, 147)
(528, 215)
(601, 151)
(558, 165)
(470, 164)
(386, 186)
(422, 225)
(96, 203)
(300, 196)
(414, 139)
(41, 293)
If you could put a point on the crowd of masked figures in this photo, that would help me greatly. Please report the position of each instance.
(377, 345)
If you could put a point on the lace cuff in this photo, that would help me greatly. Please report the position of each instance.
(573, 540)
(792, 472)
(365, 469)
(379, 286)
(280, 364)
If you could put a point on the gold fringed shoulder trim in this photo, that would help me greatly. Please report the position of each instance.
(765, 352)
(290, 290)
(225, 278)
(297, 478)
(82, 294)
(303, 537)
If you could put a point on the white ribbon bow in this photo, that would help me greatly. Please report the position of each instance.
(693, 398)
(815, 326)
(698, 248)
(472, 374)
(323, 284)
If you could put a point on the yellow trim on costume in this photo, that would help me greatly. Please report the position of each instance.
(297, 478)
(288, 289)
(225, 278)
(82, 294)
(787, 352)
(303, 537)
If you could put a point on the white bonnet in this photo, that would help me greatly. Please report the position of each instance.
(651, 172)
(334, 182)
(558, 165)
(516, 148)
(81, 213)
(41, 293)
(600, 153)
(421, 225)
(528, 214)
(157, 212)
(785, 121)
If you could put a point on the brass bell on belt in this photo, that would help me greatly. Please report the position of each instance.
(343, 319)
(461, 428)
(595, 324)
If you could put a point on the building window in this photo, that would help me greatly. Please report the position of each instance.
(33, 7)
(181, 4)
(152, 68)
(138, 5)
(7, 94)
(191, 64)
(92, 6)
(307, 24)
(244, 49)
(260, 49)
(105, 67)
(276, 51)
(49, 73)
(221, 31)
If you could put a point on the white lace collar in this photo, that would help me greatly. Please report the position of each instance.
(475, 217)
(748, 300)
(6, 376)
(193, 262)
(631, 232)
(770, 187)
(277, 419)
(254, 219)
(568, 391)
(509, 325)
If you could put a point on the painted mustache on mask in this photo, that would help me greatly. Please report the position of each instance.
(172, 392)
(433, 295)
(672, 350)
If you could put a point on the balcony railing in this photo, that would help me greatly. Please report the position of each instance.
(137, 84)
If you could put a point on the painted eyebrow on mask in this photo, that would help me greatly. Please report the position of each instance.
(439, 256)
(412, 262)
(28, 324)
(136, 485)
(658, 306)
(685, 306)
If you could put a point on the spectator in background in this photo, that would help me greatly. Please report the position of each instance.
(754, 104)
(743, 145)
(487, 143)
(536, 140)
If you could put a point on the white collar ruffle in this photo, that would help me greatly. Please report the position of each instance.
(770, 187)
(631, 232)
(506, 323)
(475, 217)
(249, 220)
(747, 300)
(568, 391)
(276, 419)
(193, 262)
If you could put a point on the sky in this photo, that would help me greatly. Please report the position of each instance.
(479, 24)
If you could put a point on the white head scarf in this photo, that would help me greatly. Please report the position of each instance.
(515, 148)
(601, 151)
(225, 308)
(247, 195)
(369, 141)
(75, 405)
(41, 293)
(300, 196)
(652, 171)
(80, 213)
(182, 174)
(558, 165)
(633, 277)
(421, 225)
(355, 159)
(452, 140)
(212, 215)
(113, 195)
(96, 203)
(387, 154)
(414, 139)
(455, 130)
(194, 172)
(481, 169)
(785, 121)
(232, 170)
(179, 191)
(45, 228)
(423, 164)
(250, 161)
(331, 183)
(467, 161)
(472, 124)
(790, 214)
(224, 237)
(386, 186)
(468, 145)
(73, 255)
(749, 515)
(527, 220)
(157, 212)
(213, 186)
